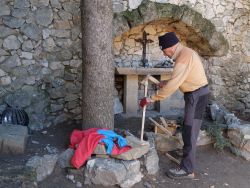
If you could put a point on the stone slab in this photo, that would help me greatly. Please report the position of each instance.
(137, 151)
(13, 139)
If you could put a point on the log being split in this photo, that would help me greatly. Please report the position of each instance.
(161, 127)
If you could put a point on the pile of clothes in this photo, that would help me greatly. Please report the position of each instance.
(85, 142)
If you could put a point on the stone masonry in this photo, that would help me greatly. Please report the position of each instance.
(40, 50)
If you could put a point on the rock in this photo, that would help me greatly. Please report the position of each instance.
(137, 151)
(44, 16)
(43, 166)
(27, 46)
(32, 31)
(55, 4)
(5, 31)
(55, 107)
(122, 173)
(65, 158)
(240, 137)
(15, 173)
(152, 161)
(133, 4)
(97, 170)
(13, 139)
(10, 63)
(231, 119)
(60, 119)
(71, 7)
(13, 22)
(21, 4)
(217, 114)
(165, 143)
(11, 43)
(240, 152)
(3, 53)
(26, 55)
(60, 33)
(65, 15)
(51, 149)
(203, 139)
(2, 73)
(19, 13)
(39, 3)
(6, 80)
(62, 24)
(4, 10)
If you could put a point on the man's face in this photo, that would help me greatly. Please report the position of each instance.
(168, 52)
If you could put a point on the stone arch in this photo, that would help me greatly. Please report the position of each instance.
(199, 32)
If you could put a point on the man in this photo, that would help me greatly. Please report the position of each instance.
(189, 76)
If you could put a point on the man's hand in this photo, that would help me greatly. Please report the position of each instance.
(145, 101)
(162, 84)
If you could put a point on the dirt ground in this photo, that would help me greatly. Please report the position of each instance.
(215, 169)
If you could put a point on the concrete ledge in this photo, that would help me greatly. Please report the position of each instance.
(142, 71)
(13, 139)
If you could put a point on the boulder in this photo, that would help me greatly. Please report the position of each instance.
(13, 139)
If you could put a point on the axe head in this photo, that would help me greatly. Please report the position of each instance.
(151, 78)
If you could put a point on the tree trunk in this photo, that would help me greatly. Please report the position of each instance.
(98, 69)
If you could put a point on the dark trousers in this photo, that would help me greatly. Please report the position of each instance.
(195, 104)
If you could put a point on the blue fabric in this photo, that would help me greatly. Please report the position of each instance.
(110, 137)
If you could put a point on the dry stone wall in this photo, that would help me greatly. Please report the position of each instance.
(40, 59)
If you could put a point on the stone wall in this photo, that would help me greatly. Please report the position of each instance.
(40, 50)
(229, 71)
(40, 59)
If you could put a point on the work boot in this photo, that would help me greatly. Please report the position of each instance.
(179, 173)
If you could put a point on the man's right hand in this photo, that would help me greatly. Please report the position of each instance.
(162, 84)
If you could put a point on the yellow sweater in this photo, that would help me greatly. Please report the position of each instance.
(188, 73)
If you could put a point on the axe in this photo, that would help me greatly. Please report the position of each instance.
(145, 83)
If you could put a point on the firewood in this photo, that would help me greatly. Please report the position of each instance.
(161, 127)
(173, 159)
(164, 122)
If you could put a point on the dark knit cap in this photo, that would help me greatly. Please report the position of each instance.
(168, 40)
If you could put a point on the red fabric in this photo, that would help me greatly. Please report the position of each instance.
(85, 142)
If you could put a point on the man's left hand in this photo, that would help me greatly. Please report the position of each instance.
(145, 101)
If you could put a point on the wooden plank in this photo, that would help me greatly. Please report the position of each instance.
(173, 159)
(164, 122)
(160, 126)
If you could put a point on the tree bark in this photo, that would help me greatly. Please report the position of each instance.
(98, 69)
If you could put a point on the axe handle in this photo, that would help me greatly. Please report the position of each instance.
(144, 110)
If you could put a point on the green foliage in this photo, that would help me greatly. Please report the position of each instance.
(216, 132)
